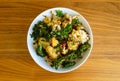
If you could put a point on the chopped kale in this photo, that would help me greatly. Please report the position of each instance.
(59, 13)
(64, 32)
(76, 22)
(67, 64)
(40, 51)
(41, 30)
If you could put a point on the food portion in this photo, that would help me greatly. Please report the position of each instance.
(60, 39)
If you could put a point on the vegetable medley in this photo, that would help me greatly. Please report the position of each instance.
(60, 39)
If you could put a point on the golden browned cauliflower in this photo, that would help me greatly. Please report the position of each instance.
(64, 24)
(47, 19)
(72, 45)
(54, 42)
(79, 36)
(51, 52)
(67, 20)
(64, 50)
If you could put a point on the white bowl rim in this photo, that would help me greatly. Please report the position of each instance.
(55, 8)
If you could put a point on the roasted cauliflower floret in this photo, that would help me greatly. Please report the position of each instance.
(67, 20)
(54, 22)
(64, 24)
(79, 36)
(42, 41)
(51, 52)
(47, 19)
(64, 50)
(67, 16)
(72, 45)
(56, 27)
(74, 36)
(55, 19)
(84, 36)
(54, 42)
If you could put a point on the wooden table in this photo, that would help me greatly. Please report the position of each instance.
(16, 63)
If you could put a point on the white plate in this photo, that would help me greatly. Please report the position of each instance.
(39, 60)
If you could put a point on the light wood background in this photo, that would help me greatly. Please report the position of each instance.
(16, 63)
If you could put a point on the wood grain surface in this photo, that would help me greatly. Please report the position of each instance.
(16, 63)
